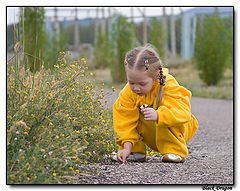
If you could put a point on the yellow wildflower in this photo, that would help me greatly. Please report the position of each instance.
(91, 74)
(83, 59)
(54, 174)
(72, 66)
(73, 149)
(57, 137)
(113, 88)
(70, 168)
(50, 94)
(77, 171)
(25, 133)
(77, 132)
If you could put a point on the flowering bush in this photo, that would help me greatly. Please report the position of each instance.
(55, 122)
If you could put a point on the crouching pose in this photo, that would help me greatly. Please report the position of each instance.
(153, 110)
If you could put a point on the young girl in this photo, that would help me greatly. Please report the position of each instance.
(153, 110)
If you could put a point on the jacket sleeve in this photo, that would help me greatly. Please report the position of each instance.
(175, 108)
(125, 117)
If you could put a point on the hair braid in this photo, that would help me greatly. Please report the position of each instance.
(162, 83)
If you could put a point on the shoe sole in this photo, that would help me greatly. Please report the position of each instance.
(169, 159)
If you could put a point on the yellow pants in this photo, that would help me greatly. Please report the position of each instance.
(165, 140)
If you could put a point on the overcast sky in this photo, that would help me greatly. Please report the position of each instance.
(13, 12)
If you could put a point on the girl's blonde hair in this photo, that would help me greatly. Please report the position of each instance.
(136, 59)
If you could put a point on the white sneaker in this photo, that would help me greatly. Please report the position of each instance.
(172, 158)
(133, 157)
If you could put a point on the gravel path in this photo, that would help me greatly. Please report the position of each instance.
(210, 159)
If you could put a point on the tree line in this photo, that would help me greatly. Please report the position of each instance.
(213, 45)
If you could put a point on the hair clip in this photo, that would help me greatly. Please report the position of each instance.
(129, 58)
(162, 79)
(146, 63)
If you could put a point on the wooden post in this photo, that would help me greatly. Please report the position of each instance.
(109, 23)
(57, 25)
(76, 31)
(103, 22)
(144, 27)
(173, 39)
(166, 31)
(132, 13)
(96, 26)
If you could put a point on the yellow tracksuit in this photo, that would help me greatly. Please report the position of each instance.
(175, 127)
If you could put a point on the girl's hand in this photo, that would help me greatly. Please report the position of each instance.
(150, 114)
(122, 155)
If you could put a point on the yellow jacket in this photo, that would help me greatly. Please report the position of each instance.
(174, 111)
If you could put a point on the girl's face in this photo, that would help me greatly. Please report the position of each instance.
(139, 81)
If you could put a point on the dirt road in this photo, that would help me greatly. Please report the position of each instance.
(210, 159)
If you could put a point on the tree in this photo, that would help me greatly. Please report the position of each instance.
(102, 50)
(229, 26)
(33, 36)
(211, 48)
(122, 41)
(57, 43)
(157, 37)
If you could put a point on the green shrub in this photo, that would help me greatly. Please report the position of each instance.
(122, 41)
(157, 37)
(102, 51)
(211, 50)
(55, 122)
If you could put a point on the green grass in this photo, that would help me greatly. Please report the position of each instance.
(104, 76)
(186, 75)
